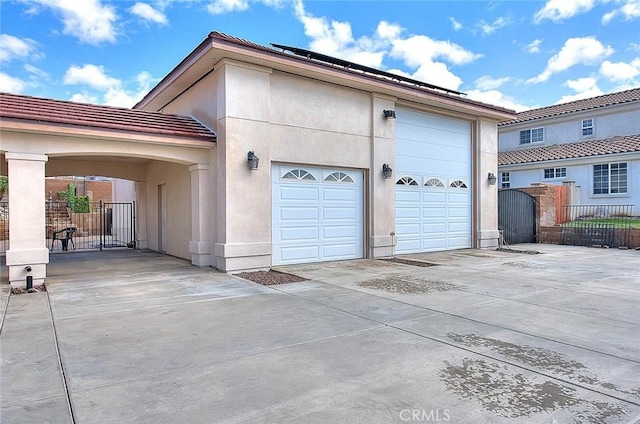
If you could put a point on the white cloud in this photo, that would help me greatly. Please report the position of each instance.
(620, 71)
(457, 26)
(486, 82)
(36, 73)
(91, 75)
(102, 89)
(84, 97)
(495, 97)
(584, 88)
(424, 55)
(88, 20)
(219, 7)
(534, 46)
(10, 84)
(559, 10)
(585, 51)
(418, 48)
(629, 10)
(148, 13)
(490, 28)
(15, 48)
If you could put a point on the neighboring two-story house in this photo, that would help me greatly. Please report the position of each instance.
(594, 142)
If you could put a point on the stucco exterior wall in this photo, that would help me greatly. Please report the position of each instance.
(292, 119)
(486, 195)
(177, 180)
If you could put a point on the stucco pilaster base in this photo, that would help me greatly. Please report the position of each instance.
(381, 246)
(242, 256)
(19, 259)
(488, 239)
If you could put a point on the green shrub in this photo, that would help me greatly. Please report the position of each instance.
(77, 204)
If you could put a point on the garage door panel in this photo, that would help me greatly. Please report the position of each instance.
(296, 193)
(296, 214)
(410, 196)
(409, 245)
(340, 251)
(432, 147)
(433, 244)
(342, 213)
(316, 219)
(434, 195)
(297, 254)
(337, 195)
(461, 242)
(434, 227)
(431, 213)
(408, 229)
(339, 232)
(298, 233)
(406, 212)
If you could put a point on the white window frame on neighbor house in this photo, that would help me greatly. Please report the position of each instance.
(609, 179)
(551, 173)
(535, 135)
(588, 127)
(505, 180)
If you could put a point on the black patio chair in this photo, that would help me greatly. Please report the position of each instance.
(65, 236)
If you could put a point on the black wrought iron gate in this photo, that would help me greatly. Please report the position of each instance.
(517, 216)
(100, 225)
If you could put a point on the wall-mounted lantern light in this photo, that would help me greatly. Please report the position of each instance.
(492, 178)
(389, 114)
(253, 161)
(386, 171)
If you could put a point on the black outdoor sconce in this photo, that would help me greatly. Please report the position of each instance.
(386, 171)
(253, 161)
(492, 178)
(389, 114)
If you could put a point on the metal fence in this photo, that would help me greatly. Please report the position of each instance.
(99, 225)
(597, 225)
(4, 227)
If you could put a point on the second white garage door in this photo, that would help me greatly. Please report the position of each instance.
(317, 214)
(433, 182)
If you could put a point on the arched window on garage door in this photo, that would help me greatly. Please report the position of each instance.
(298, 174)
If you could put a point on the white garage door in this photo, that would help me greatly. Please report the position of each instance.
(317, 214)
(433, 182)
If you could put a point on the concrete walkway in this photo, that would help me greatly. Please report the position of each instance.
(481, 336)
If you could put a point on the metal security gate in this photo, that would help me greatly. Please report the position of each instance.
(516, 216)
(597, 225)
(100, 225)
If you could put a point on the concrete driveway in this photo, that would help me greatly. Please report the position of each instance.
(481, 336)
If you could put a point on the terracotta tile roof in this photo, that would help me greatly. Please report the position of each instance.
(618, 144)
(620, 97)
(19, 107)
(377, 76)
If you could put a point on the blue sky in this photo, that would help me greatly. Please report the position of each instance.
(516, 54)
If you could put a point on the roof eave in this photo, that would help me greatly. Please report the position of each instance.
(193, 68)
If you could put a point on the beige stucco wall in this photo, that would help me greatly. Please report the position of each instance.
(287, 118)
(178, 185)
(487, 195)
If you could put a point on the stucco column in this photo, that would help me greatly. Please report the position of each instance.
(141, 215)
(487, 194)
(382, 238)
(28, 253)
(200, 245)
